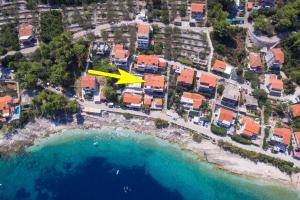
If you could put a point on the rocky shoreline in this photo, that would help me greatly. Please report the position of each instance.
(205, 150)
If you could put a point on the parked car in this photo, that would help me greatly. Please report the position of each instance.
(110, 105)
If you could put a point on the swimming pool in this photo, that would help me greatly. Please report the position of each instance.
(17, 110)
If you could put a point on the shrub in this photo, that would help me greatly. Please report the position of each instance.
(241, 139)
(218, 130)
(128, 116)
(197, 137)
(159, 123)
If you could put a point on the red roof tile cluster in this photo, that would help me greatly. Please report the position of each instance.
(249, 5)
(226, 115)
(278, 54)
(251, 127)
(130, 98)
(25, 29)
(147, 100)
(197, 7)
(276, 84)
(158, 101)
(197, 99)
(186, 76)
(152, 80)
(143, 29)
(285, 133)
(119, 51)
(254, 59)
(151, 60)
(219, 64)
(207, 79)
(4, 103)
(88, 81)
(295, 110)
(297, 137)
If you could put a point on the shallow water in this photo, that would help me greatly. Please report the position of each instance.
(108, 164)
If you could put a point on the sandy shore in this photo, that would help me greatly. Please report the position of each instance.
(205, 150)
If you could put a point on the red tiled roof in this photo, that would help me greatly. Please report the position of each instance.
(152, 80)
(88, 81)
(186, 76)
(158, 101)
(197, 99)
(226, 115)
(249, 5)
(148, 59)
(254, 59)
(207, 79)
(4, 101)
(197, 7)
(25, 29)
(220, 64)
(285, 133)
(147, 101)
(295, 110)
(130, 98)
(278, 54)
(119, 51)
(143, 29)
(275, 83)
(251, 127)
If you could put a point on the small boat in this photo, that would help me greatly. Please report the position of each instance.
(117, 172)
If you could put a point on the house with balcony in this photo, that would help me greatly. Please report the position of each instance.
(197, 11)
(294, 111)
(231, 96)
(249, 128)
(133, 101)
(225, 118)
(26, 35)
(9, 107)
(191, 101)
(89, 87)
(207, 83)
(100, 48)
(222, 68)
(280, 138)
(120, 56)
(150, 64)
(154, 85)
(255, 63)
(274, 59)
(153, 103)
(250, 102)
(186, 78)
(274, 86)
(143, 35)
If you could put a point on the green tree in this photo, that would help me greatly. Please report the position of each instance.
(51, 25)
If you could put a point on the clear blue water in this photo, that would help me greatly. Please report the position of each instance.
(17, 110)
(107, 164)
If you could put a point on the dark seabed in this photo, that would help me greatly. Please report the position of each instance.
(107, 164)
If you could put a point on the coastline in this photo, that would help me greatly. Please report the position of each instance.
(206, 150)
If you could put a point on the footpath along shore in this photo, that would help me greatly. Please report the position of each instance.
(205, 150)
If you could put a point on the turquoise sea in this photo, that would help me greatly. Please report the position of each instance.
(110, 164)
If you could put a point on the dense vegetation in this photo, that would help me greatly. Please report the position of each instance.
(218, 130)
(241, 139)
(9, 38)
(284, 166)
(63, 2)
(51, 105)
(51, 25)
(158, 9)
(60, 62)
(159, 123)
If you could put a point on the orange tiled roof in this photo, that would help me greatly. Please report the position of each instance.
(162, 64)
(154, 80)
(148, 59)
(220, 64)
(4, 101)
(130, 98)
(278, 54)
(210, 80)
(226, 115)
(254, 59)
(275, 83)
(88, 81)
(251, 126)
(143, 28)
(158, 101)
(285, 133)
(249, 5)
(295, 110)
(147, 101)
(119, 51)
(197, 98)
(25, 29)
(197, 7)
(186, 76)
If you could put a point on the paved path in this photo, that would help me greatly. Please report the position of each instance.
(23, 51)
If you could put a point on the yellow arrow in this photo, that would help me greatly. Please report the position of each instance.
(124, 77)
